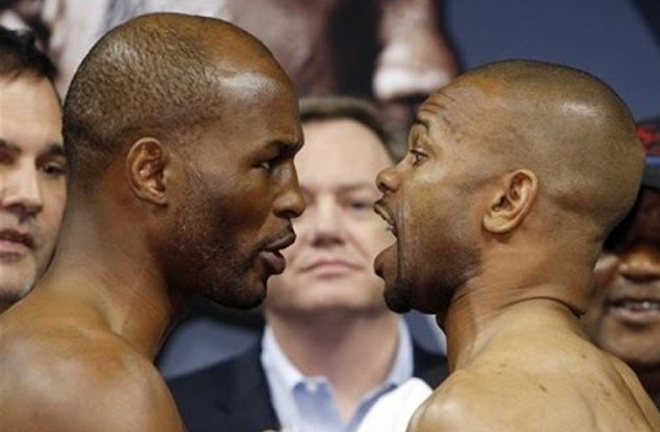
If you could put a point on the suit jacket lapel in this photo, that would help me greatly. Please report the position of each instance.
(245, 400)
(430, 367)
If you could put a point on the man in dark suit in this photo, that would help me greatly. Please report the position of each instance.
(331, 348)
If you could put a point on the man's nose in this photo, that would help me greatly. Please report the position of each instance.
(289, 203)
(388, 180)
(20, 192)
(326, 223)
(641, 264)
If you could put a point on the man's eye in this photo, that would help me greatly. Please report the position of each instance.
(53, 168)
(360, 205)
(267, 165)
(417, 156)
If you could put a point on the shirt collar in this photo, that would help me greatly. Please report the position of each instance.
(280, 369)
(277, 365)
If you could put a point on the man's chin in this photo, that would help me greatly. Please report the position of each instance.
(13, 287)
(239, 297)
(396, 300)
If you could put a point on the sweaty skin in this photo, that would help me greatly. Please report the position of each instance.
(515, 174)
(145, 213)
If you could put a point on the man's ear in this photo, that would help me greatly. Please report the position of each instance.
(514, 198)
(146, 166)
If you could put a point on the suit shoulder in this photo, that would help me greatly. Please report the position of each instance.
(429, 366)
(225, 371)
(230, 396)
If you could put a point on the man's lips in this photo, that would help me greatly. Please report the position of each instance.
(14, 241)
(272, 256)
(382, 210)
(635, 309)
(329, 265)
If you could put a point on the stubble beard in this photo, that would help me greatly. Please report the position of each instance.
(203, 252)
(398, 293)
(10, 294)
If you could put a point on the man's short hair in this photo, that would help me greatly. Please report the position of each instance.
(321, 108)
(154, 75)
(20, 57)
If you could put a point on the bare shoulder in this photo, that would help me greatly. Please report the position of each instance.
(80, 380)
(631, 382)
(508, 397)
(463, 402)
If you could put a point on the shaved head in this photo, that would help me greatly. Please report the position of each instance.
(163, 75)
(565, 125)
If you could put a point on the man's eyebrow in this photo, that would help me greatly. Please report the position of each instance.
(356, 187)
(54, 149)
(287, 146)
(421, 121)
(8, 145)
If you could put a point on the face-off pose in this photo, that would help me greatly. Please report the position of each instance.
(325, 313)
(180, 134)
(516, 172)
(624, 317)
(32, 166)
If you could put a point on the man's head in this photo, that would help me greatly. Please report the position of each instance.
(513, 153)
(330, 266)
(624, 317)
(191, 124)
(32, 166)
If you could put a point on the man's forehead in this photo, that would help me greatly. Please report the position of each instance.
(443, 110)
(248, 84)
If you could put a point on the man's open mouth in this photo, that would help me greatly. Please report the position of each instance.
(382, 211)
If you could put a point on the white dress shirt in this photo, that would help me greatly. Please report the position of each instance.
(308, 404)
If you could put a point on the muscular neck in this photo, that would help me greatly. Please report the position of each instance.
(335, 346)
(104, 271)
(508, 287)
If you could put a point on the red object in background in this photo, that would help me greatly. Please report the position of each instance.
(649, 133)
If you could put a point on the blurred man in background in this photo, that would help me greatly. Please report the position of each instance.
(624, 317)
(32, 165)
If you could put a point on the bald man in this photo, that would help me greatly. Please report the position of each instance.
(516, 172)
(180, 133)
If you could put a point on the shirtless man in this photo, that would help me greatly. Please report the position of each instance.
(32, 165)
(624, 317)
(180, 134)
(515, 174)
